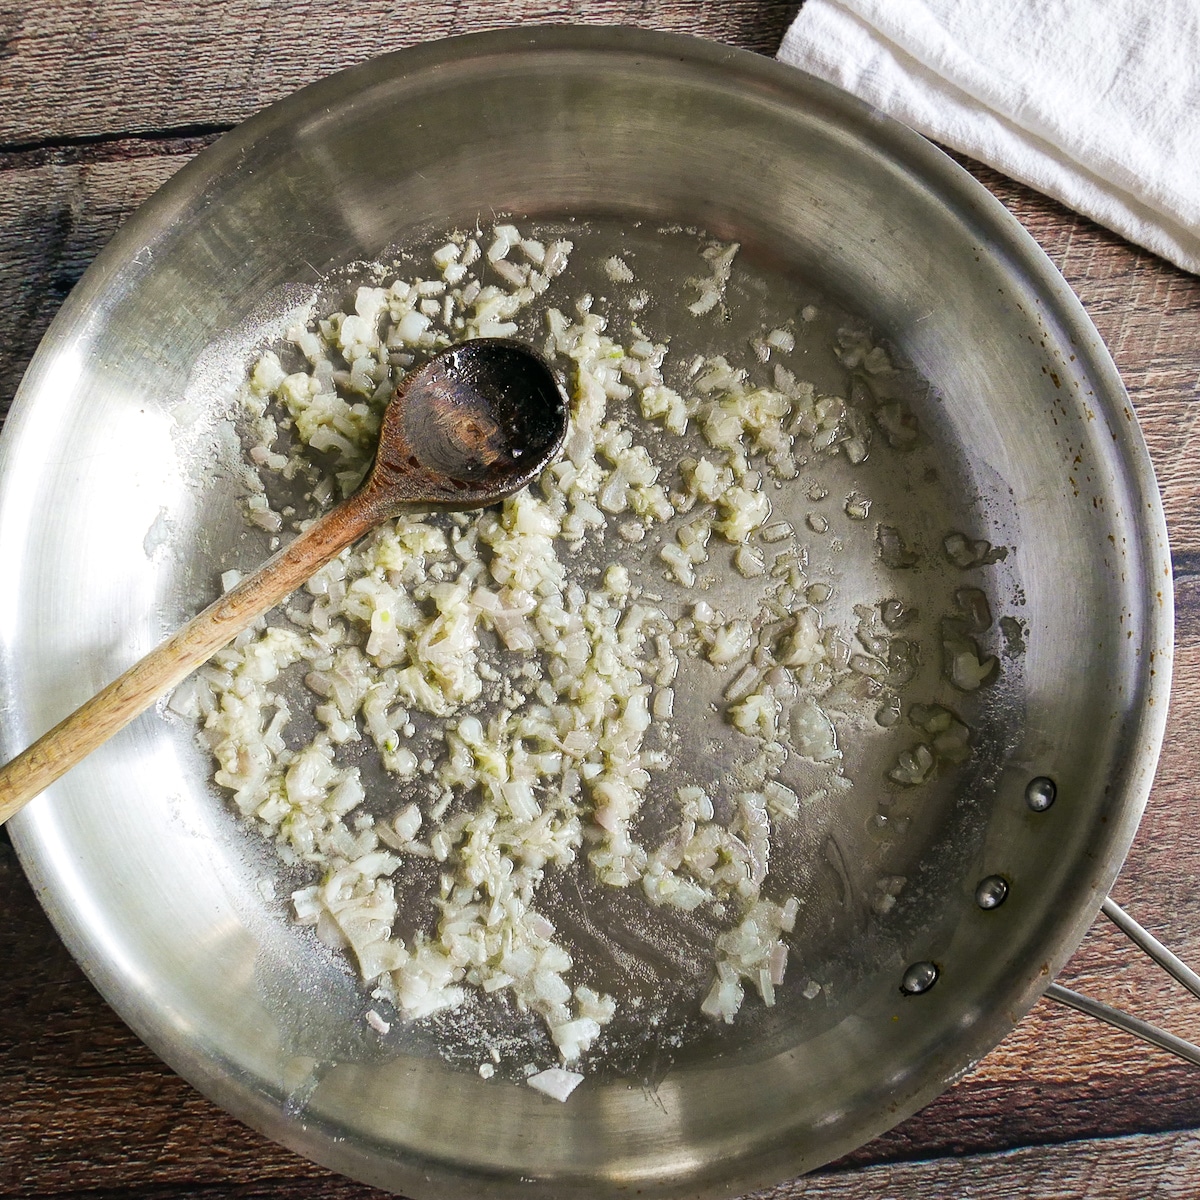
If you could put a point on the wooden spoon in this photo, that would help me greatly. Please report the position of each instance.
(473, 425)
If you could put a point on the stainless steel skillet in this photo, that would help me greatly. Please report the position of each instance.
(154, 887)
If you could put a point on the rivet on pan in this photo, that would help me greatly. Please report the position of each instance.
(1040, 793)
(920, 977)
(991, 892)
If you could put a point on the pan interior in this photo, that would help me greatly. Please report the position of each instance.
(121, 504)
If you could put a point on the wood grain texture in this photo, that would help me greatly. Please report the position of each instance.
(1063, 1108)
(215, 64)
(1164, 1167)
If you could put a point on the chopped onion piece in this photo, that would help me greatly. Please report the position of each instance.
(555, 1082)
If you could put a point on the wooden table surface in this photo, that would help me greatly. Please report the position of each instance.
(102, 101)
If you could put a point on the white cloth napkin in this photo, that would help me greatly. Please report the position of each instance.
(1094, 102)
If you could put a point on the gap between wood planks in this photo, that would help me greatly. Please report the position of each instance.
(187, 139)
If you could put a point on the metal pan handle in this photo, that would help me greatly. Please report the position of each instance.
(1121, 1020)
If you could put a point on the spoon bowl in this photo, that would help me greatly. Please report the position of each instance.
(475, 424)
(478, 422)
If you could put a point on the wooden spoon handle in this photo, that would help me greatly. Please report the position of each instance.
(110, 710)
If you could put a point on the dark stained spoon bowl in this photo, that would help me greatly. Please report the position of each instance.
(477, 423)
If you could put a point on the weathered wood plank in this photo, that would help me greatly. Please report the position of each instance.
(322, 1187)
(214, 64)
(1162, 1167)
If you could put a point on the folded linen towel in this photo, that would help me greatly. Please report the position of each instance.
(1094, 102)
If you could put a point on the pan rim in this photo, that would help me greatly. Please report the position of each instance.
(737, 69)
